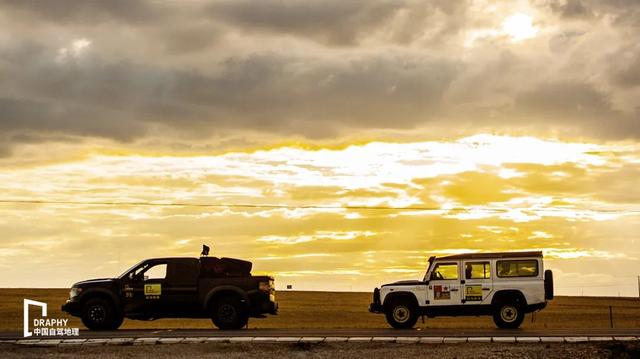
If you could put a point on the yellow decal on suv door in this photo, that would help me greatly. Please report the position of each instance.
(152, 291)
(473, 292)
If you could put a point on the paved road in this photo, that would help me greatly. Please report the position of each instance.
(382, 332)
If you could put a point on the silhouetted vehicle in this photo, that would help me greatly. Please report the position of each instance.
(222, 289)
(505, 285)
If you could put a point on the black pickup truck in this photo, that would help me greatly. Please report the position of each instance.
(222, 289)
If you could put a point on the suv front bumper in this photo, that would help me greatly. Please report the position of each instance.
(375, 308)
(376, 305)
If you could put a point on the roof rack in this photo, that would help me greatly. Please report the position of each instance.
(494, 255)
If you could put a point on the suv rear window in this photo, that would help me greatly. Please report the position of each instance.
(517, 268)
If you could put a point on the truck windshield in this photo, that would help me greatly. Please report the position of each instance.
(129, 270)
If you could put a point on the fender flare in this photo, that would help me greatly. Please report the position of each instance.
(391, 296)
(224, 288)
(509, 294)
(101, 292)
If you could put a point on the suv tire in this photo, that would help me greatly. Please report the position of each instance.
(508, 315)
(402, 313)
(100, 314)
(229, 314)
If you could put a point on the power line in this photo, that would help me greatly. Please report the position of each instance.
(293, 207)
(238, 205)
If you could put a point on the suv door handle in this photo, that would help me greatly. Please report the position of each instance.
(454, 289)
(486, 288)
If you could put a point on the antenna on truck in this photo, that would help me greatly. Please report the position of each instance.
(205, 250)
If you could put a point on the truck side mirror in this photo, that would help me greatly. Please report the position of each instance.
(146, 277)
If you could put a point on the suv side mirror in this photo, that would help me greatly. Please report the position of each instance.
(146, 277)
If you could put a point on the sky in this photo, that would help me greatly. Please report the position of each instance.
(335, 144)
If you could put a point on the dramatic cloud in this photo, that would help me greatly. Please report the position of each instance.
(198, 70)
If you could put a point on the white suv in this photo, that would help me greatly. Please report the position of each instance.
(506, 285)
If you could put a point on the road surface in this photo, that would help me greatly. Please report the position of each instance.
(362, 333)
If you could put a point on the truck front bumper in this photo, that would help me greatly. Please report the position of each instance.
(273, 308)
(71, 307)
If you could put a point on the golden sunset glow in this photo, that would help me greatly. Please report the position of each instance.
(478, 193)
(335, 144)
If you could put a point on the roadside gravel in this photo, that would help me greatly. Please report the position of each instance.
(332, 350)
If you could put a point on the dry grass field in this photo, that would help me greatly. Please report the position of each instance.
(348, 310)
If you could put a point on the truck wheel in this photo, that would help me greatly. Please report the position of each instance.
(100, 314)
(508, 315)
(402, 313)
(229, 314)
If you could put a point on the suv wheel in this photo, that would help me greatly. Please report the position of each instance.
(100, 314)
(229, 313)
(508, 315)
(402, 313)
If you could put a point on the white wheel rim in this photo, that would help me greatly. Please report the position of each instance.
(401, 314)
(508, 313)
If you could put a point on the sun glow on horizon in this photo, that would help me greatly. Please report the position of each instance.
(487, 193)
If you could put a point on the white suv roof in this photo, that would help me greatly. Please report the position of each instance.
(493, 255)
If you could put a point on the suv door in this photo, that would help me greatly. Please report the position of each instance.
(477, 282)
(444, 283)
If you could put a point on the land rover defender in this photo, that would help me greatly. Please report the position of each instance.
(504, 285)
(222, 289)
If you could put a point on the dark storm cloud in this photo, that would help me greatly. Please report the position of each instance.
(564, 99)
(625, 67)
(571, 9)
(88, 11)
(336, 22)
(576, 104)
(344, 23)
(264, 91)
(306, 68)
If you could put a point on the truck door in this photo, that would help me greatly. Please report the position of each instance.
(180, 294)
(444, 284)
(154, 288)
(142, 289)
(477, 282)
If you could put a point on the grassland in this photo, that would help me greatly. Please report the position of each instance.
(348, 310)
(617, 350)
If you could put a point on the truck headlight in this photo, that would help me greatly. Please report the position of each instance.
(264, 287)
(74, 292)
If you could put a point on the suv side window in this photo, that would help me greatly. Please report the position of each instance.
(445, 271)
(478, 270)
(517, 268)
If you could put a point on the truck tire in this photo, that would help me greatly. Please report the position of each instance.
(229, 314)
(100, 314)
(401, 313)
(508, 315)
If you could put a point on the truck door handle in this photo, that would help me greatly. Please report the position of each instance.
(454, 289)
(486, 288)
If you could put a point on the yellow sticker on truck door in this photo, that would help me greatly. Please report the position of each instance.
(473, 293)
(152, 291)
